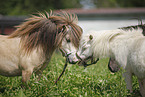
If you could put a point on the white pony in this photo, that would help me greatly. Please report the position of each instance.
(126, 47)
(30, 47)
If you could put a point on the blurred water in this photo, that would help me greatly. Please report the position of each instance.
(88, 25)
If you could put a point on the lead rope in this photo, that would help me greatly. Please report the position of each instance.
(66, 56)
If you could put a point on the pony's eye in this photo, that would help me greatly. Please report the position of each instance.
(61, 29)
(68, 40)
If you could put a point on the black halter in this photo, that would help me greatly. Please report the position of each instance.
(83, 61)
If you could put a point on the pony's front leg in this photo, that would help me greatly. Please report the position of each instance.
(128, 80)
(142, 86)
(40, 71)
(26, 74)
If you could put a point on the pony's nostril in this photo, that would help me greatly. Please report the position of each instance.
(75, 59)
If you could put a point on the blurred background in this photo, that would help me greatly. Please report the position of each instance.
(92, 14)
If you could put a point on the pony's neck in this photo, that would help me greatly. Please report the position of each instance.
(100, 44)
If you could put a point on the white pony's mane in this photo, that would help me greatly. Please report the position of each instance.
(101, 40)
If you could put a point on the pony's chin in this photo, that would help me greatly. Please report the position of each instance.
(73, 62)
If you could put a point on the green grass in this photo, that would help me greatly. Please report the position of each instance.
(94, 81)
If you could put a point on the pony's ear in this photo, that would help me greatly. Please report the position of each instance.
(90, 37)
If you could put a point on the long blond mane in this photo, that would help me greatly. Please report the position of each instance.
(47, 30)
(101, 40)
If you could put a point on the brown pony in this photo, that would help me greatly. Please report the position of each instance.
(30, 47)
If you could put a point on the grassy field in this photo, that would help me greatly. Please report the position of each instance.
(94, 81)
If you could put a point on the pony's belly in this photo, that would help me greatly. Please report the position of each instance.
(10, 70)
(139, 71)
(11, 73)
(137, 63)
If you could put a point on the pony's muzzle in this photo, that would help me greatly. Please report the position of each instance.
(72, 59)
(81, 62)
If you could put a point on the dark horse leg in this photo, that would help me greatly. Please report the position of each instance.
(113, 66)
